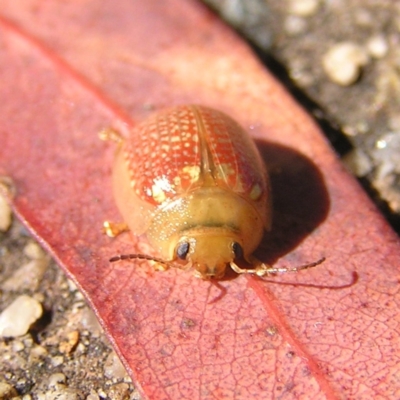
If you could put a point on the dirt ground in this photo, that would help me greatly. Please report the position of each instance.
(65, 355)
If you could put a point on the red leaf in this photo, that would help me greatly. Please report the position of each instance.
(72, 68)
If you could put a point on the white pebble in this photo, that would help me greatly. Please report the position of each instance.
(303, 8)
(90, 322)
(294, 25)
(113, 367)
(28, 276)
(17, 346)
(358, 163)
(342, 63)
(17, 318)
(7, 391)
(38, 352)
(377, 46)
(56, 361)
(34, 251)
(59, 394)
(5, 214)
(56, 379)
(72, 286)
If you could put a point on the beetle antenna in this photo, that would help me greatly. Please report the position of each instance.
(123, 257)
(265, 269)
(295, 269)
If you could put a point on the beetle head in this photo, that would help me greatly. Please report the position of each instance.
(209, 255)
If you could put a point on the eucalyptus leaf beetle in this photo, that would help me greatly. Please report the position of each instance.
(193, 181)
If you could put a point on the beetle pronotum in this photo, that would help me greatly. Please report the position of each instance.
(193, 180)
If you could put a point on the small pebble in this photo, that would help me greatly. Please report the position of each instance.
(113, 367)
(90, 322)
(59, 394)
(343, 61)
(37, 352)
(34, 251)
(66, 347)
(28, 341)
(17, 346)
(93, 396)
(56, 379)
(377, 46)
(119, 391)
(17, 318)
(7, 392)
(23, 385)
(57, 361)
(28, 276)
(294, 25)
(303, 8)
(71, 285)
(358, 162)
(5, 214)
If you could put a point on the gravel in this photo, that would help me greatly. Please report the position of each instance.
(64, 354)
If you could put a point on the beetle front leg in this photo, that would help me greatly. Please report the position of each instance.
(112, 229)
(158, 266)
(261, 269)
(111, 135)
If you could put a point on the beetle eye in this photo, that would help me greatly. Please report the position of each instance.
(182, 250)
(237, 249)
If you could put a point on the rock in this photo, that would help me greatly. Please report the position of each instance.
(17, 318)
(93, 396)
(377, 46)
(343, 61)
(34, 251)
(90, 322)
(28, 276)
(119, 391)
(61, 393)
(7, 392)
(57, 379)
(303, 8)
(5, 214)
(113, 367)
(66, 347)
(358, 162)
(294, 25)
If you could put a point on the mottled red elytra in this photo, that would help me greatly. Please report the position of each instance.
(193, 180)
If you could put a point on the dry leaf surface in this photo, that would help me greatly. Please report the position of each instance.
(71, 68)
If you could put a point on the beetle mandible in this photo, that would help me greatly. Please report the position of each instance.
(193, 180)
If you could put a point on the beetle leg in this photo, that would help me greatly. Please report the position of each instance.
(187, 266)
(261, 270)
(112, 229)
(110, 134)
(158, 266)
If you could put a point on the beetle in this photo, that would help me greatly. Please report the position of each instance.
(193, 181)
